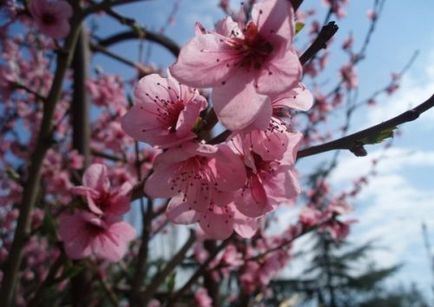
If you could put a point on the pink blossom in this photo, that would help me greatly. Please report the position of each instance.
(107, 90)
(51, 16)
(202, 174)
(310, 216)
(349, 76)
(271, 180)
(202, 179)
(101, 198)
(85, 234)
(202, 298)
(299, 98)
(217, 222)
(243, 62)
(165, 111)
(337, 229)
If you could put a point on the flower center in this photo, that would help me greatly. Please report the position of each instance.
(254, 50)
(48, 18)
(94, 230)
(195, 179)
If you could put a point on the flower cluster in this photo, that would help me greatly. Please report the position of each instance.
(254, 74)
(51, 17)
(98, 229)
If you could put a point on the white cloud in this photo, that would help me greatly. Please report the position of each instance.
(393, 206)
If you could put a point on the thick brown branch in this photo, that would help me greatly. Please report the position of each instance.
(320, 42)
(81, 101)
(353, 141)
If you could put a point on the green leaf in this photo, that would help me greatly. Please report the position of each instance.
(71, 270)
(298, 27)
(171, 279)
(49, 226)
(12, 174)
(379, 137)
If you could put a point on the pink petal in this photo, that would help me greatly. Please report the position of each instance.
(112, 245)
(159, 184)
(231, 173)
(253, 201)
(300, 98)
(270, 144)
(96, 177)
(217, 224)
(283, 186)
(294, 140)
(282, 73)
(62, 9)
(229, 28)
(151, 87)
(274, 17)
(188, 117)
(244, 226)
(142, 124)
(179, 212)
(85, 191)
(205, 61)
(237, 103)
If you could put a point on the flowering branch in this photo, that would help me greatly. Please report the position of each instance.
(354, 142)
(320, 42)
(34, 172)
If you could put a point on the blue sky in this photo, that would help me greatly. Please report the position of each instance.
(401, 196)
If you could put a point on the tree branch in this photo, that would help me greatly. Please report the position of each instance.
(162, 275)
(320, 42)
(353, 142)
(203, 267)
(81, 101)
(142, 33)
(31, 186)
(105, 5)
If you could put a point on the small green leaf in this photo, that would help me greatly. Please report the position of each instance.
(298, 27)
(49, 226)
(379, 137)
(12, 174)
(71, 270)
(171, 279)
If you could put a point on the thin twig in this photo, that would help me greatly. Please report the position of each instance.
(142, 33)
(203, 267)
(106, 5)
(170, 266)
(354, 141)
(29, 90)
